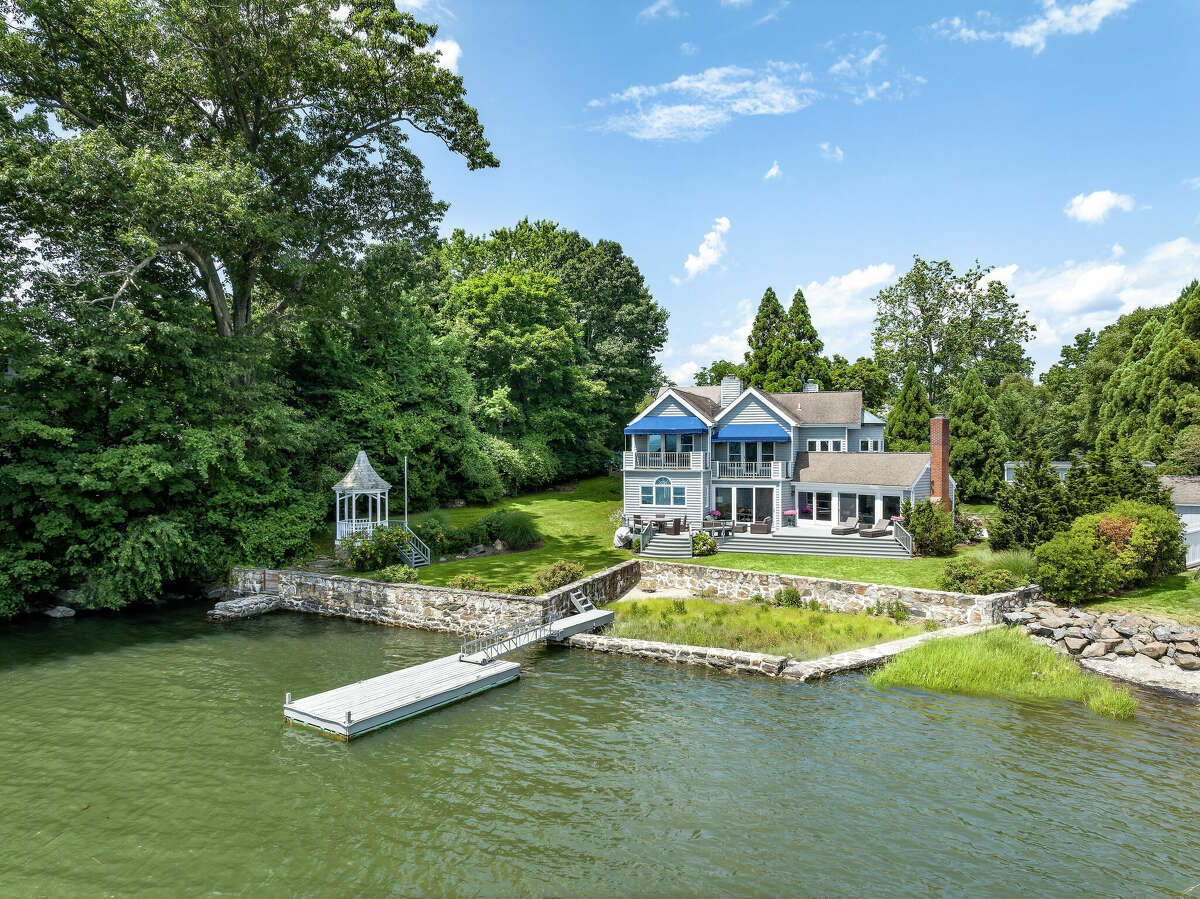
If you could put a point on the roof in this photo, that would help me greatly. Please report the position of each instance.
(706, 399)
(1185, 490)
(362, 476)
(875, 469)
(823, 407)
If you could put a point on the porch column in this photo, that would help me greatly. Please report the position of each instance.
(878, 508)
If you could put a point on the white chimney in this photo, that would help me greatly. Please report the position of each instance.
(811, 386)
(731, 389)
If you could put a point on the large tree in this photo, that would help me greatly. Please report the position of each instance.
(255, 146)
(945, 323)
(976, 445)
(794, 356)
(863, 374)
(712, 375)
(907, 428)
(764, 334)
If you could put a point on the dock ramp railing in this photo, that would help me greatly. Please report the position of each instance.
(487, 647)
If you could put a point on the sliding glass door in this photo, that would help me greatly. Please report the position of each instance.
(753, 503)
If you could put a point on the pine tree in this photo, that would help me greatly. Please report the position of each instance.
(1033, 508)
(795, 355)
(764, 336)
(908, 423)
(976, 444)
(1013, 409)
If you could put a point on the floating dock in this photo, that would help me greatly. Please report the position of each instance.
(355, 709)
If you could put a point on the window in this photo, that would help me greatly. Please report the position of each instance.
(891, 506)
(662, 492)
(874, 446)
(824, 506)
(647, 495)
(654, 443)
(751, 451)
(628, 443)
(864, 446)
(735, 451)
(670, 443)
(812, 446)
(804, 501)
(767, 453)
(686, 443)
(824, 446)
(678, 496)
(725, 503)
(837, 446)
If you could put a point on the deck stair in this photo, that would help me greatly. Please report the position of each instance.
(668, 546)
(353, 710)
(814, 545)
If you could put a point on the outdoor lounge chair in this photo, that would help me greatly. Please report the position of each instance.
(880, 530)
(848, 528)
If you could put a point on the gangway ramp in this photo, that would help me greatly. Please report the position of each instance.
(355, 709)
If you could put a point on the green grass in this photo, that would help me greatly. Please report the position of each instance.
(1003, 662)
(894, 572)
(1176, 596)
(756, 627)
(986, 511)
(574, 525)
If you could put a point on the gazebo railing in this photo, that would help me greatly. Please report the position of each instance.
(349, 526)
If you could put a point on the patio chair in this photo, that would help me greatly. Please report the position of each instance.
(850, 527)
(880, 530)
(761, 527)
(673, 527)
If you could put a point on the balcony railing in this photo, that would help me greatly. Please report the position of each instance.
(761, 471)
(695, 461)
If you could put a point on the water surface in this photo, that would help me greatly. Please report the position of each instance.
(146, 753)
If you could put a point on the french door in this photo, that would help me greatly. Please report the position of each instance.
(750, 504)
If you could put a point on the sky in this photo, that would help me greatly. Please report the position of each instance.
(732, 145)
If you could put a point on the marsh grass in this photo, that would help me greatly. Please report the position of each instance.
(1003, 662)
(756, 627)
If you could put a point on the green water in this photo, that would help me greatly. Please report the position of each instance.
(147, 754)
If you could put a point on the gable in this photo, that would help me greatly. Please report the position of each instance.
(750, 410)
(667, 405)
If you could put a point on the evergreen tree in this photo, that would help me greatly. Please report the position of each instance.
(1033, 508)
(1013, 409)
(975, 441)
(795, 356)
(764, 336)
(1108, 475)
(908, 423)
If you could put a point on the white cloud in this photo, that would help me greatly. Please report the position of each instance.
(1193, 183)
(683, 372)
(1117, 251)
(448, 53)
(858, 63)
(832, 152)
(853, 72)
(687, 48)
(773, 172)
(696, 105)
(712, 248)
(1094, 208)
(729, 340)
(659, 9)
(735, 2)
(1075, 18)
(772, 15)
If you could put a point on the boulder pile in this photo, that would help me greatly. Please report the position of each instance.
(1139, 638)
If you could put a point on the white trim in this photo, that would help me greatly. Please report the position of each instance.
(754, 391)
(670, 390)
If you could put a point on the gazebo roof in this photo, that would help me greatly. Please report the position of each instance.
(362, 476)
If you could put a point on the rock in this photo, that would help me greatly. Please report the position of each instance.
(500, 546)
(1059, 633)
(1125, 648)
(1187, 661)
(1075, 632)
(1140, 659)
(1017, 617)
(457, 503)
(1108, 633)
(1039, 627)
(1075, 644)
(59, 612)
(623, 538)
(1154, 650)
(1054, 622)
(1124, 628)
(1092, 651)
(1186, 646)
(1162, 633)
(477, 550)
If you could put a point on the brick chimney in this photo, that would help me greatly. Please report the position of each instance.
(939, 460)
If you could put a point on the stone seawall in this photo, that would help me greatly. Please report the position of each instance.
(944, 608)
(468, 612)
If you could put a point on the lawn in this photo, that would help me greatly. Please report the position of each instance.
(986, 511)
(1003, 662)
(575, 525)
(757, 627)
(922, 572)
(1176, 596)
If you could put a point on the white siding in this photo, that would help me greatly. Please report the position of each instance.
(693, 481)
(1189, 515)
(668, 405)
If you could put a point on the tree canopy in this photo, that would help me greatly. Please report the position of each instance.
(763, 340)
(907, 428)
(976, 444)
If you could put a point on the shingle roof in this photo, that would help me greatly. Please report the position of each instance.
(823, 407)
(1185, 490)
(877, 469)
(362, 476)
(706, 399)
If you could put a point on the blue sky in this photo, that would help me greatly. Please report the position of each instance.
(729, 146)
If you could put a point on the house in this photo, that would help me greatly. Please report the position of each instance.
(1185, 493)
(786, 463)
(1060, 469)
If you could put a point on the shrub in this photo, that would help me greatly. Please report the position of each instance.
(1020, 563)
(431, 529)
(466, 581)
(401, 574)
(704, 544)
(789, 596)
(1032, 509)
(522, 588)
(970, 576)
(1075, 567)
(893, 609)
(487, 528)
(383, 547)
(517, 530)
(557, 574)
(636, 547)
(457, 539)
(968, 528)
(931, 527)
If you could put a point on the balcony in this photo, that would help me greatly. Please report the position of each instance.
(696, 461)
(752, 471)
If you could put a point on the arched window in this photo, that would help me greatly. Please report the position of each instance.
(662, 492)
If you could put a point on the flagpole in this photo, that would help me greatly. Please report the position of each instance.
(406, 491)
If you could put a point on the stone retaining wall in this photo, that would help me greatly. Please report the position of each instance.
(709, 657)
(945, 608)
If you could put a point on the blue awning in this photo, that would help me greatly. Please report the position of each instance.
(771, 433)
(668, 424)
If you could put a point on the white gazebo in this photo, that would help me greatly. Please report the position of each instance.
(362, 499)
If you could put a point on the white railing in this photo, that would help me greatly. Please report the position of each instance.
(357, 526)
(773, 471)
(1192, 539)
(417, 553)
(903, 537)
(693, 461)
